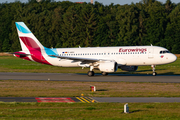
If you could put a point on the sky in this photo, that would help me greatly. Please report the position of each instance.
(104, 2)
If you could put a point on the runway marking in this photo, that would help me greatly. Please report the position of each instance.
(54, 100)
(86, 99)
(80, 99)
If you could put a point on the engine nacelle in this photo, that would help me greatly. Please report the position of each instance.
(108, 67)
(129, 68)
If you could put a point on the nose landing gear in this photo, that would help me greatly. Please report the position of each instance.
(153, 68)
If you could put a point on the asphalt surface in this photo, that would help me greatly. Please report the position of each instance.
(137, 99)
(93, 99)
(96, 78)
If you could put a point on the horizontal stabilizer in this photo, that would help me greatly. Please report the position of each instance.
(20, 53)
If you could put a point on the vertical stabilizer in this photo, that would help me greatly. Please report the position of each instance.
(27, 39)
(32, 49)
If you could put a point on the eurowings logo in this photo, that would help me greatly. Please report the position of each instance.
(133, 50)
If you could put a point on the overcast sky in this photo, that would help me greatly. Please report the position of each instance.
(105, 2)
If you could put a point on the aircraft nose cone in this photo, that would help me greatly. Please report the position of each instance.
(173, 58)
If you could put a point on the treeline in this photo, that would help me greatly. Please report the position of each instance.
(67, 24)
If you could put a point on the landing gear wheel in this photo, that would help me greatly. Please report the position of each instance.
(154, 74)
(90, 73)
(104, 73)
(153, 68)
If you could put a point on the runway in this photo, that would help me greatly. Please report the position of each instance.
(92, 99)
(96, 78)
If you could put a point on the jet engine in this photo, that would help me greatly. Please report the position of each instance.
(108, 67)
(129, 68)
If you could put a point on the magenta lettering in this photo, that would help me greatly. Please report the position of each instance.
(133, 50)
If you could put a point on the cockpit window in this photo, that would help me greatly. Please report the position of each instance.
(163, 52)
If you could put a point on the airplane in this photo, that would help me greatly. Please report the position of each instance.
(105, 59)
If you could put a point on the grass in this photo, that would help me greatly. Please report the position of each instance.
(84, 111)
(13, 64)
(19, 88)
(91, 111)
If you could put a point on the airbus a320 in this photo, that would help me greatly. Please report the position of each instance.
(105, 59)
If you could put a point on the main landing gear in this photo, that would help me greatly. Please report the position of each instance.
(104, 73)
(91, 72)
(153, 68)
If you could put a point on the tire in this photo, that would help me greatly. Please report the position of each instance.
(104, 73)
(90, 73)
(154, 74)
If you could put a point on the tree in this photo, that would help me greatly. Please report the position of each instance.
(70, 32)
(169, 6)
(88, 24)
(127, 17)
(172, 36)
(155, 24)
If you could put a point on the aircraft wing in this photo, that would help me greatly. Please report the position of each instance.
(84, 60)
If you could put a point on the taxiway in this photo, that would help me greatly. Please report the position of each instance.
(96, 78)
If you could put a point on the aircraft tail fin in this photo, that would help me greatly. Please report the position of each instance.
(27, 39)
(32, 49)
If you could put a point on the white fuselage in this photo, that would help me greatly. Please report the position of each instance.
(106, 59)
(129, 56)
